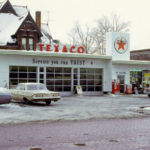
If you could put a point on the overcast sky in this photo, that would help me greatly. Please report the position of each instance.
(63, 14)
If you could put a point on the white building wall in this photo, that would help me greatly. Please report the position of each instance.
(4, 70)
(107, 75)
(110, 46)
(12, 60)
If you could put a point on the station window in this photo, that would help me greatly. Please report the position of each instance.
(21, 74)
(58, 79)
(91, 79)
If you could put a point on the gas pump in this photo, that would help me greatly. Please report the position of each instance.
(129, 89)
(116, 86)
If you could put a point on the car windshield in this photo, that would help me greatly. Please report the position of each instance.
(36, 87)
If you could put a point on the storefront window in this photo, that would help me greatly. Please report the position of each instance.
(67, 70)
(22, 69)
(75, 82)
(83, 82)
(31, 69)
(90, 82)
(22, 80)
(13, 75)
(49, 82)
(50, 76)
(83, 70)
(83, 76)
(60, 76)
(32, 75)
(51, 88)
(75, 70)
(58, 82)
(67, 88)
(90, 88)
(58, 88)
(91, 79)
(90, 70)
(58, 70)
(67, 76)
(49, 69)
(13, 69)
(67, 82)
(21, 74)
(98, 71)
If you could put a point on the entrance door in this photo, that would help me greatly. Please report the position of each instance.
(121, 78)
(41, 75)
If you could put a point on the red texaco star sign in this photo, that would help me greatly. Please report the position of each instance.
(121, 44)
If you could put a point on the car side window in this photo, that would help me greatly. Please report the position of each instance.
(18, 87)
(22, 87)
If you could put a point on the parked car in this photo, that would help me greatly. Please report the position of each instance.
(34, 92)
(5, 96)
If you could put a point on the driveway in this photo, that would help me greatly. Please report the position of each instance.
(77, 108)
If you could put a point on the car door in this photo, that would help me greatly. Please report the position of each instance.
(15, 92)
(21, 92)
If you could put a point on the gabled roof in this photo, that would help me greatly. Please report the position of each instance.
(47, 37)
(20, 10)
(9, 25)
(2, 4)
(12, 21)
(29, 19)
(5, 6)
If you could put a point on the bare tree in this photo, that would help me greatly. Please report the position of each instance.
(104, 24)
(78, 37)
(94, 39)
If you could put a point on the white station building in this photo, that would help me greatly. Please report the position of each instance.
(62, 71)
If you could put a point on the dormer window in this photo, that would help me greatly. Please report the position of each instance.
(24, 43)
(30, 44)
(27, 43)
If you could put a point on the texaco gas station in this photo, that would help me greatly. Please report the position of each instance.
(62, 68)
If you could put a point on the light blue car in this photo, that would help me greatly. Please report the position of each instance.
(5, 96)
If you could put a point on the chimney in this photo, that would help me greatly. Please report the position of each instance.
(38, 19)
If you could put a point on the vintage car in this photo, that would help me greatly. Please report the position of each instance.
(34, 92)
(5, 96)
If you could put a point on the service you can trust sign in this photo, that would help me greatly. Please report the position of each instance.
(60, 48)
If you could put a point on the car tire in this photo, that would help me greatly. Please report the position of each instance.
(148, 95)
(27, 101)
(48, 102)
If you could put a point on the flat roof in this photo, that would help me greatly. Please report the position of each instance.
(51, 54)
(130, 62)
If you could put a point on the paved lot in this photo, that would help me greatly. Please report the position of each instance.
(112, 134)
(109, 122)
(77, 108)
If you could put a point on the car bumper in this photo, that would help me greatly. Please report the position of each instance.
(46, 98)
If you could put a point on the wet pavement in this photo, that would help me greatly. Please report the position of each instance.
(109, 122)
(77, 108)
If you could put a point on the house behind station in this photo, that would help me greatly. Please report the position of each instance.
(19, 31)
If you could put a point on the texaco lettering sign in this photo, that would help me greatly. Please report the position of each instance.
(121, 45)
